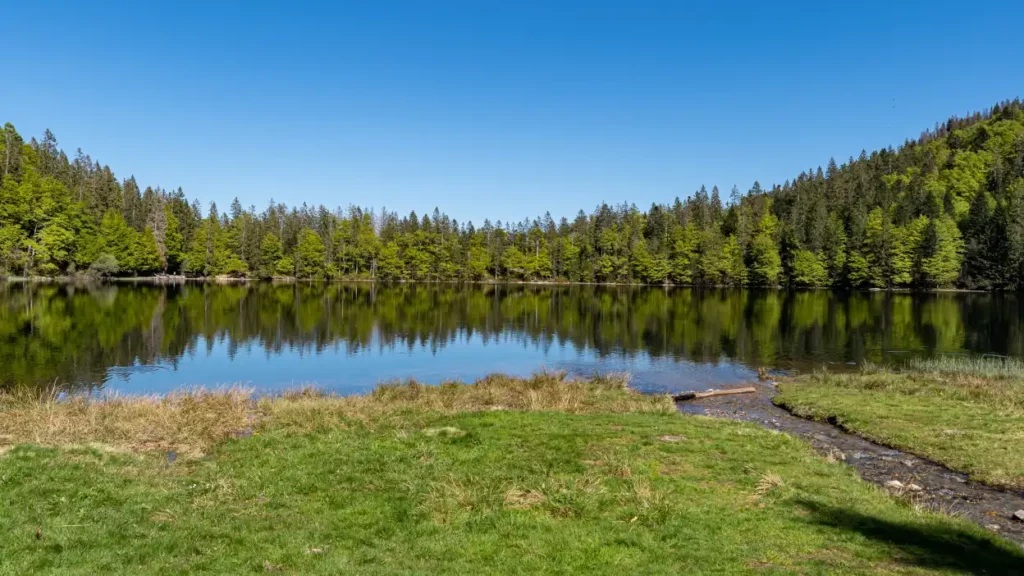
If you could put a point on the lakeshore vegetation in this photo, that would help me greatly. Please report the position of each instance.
(943, 210)
(537, 475)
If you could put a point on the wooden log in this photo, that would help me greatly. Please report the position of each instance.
(713, 393)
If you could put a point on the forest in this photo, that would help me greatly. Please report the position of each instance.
(943, 210)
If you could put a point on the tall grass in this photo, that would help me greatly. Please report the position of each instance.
(993, 381)
(191, 422)
(186, 422)
(977, 366)
(544, 391)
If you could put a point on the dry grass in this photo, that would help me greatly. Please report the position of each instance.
(768, 483)
(545, 391)
(518, 499)
(189, 423)
(186, 422)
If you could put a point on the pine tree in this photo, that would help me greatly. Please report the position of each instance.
(735, 266)
(765, 262)
(684, 246)
(197, 260)
(117, 240)
(147, 258)
(389, 264)
(174, 243)
(271, 254)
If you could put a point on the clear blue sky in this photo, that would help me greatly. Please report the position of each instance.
(498, 109)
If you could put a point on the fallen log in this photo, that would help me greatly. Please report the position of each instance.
(712, 393)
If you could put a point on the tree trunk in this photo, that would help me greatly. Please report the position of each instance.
(713, 393)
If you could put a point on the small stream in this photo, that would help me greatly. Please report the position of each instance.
(940, 488)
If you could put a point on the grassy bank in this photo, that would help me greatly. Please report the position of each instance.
(504, 476)
(965, 413)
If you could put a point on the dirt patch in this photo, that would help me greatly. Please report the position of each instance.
(940, 488)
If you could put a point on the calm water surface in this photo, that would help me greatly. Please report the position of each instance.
(349, 337)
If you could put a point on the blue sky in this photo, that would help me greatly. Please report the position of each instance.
(493, 109)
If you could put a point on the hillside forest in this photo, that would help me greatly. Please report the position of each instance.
(943, 210)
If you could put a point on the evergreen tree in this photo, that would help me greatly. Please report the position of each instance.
(942, 264)
(271, 254)
(146, 258)
(809, 269)
(174, 242)
(310, 255)
(945, 209)
(765, 262)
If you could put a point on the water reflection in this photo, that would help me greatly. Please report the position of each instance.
(349, 336)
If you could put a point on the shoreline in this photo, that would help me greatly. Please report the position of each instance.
(173, 279)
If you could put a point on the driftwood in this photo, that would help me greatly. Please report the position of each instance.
(712, 393)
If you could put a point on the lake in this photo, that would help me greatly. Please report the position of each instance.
(346, 338)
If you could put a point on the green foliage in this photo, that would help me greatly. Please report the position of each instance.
(835, 254)
(12, 253)
(478, 262)
(514, 262)
(809, 269)
(652, 269)
(233, 266)
(105, 265)
(198, 259)
(285, 267)
(765, 262)
(310, 255)
(735, 268)
(174, 242)
(117, 238)
(271, 255)
(147, 258)
(57, 244)
(944, 210)
(684, 246)
(941, 266)
(390, 265)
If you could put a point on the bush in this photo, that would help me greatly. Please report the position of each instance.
(285, 267)
(105, 265)
(235, 268)
(809, 269)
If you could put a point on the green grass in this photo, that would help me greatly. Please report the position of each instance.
(416, 480)
(967, 414)
(963, 366)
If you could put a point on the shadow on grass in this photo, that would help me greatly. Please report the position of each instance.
(923, 545)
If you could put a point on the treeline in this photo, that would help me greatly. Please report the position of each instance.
(946, 209)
